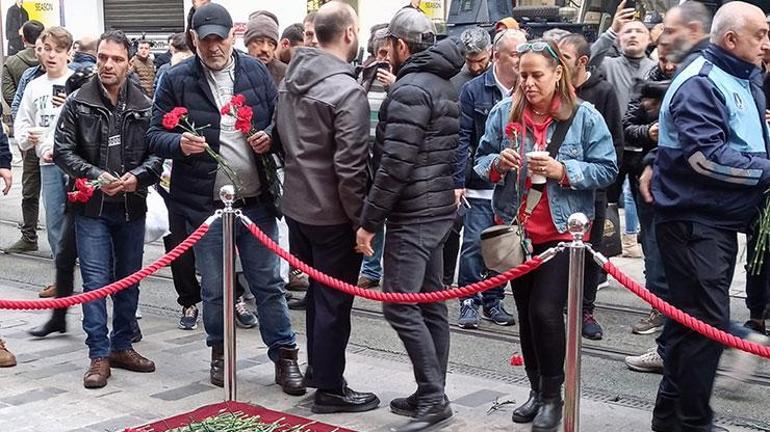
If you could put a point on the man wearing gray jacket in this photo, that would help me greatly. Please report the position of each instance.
(322, 123)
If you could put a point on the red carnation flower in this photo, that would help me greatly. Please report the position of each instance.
(170, 121)
(244, 113)
(225, 110)
(517, 360)
(238, 100)
(513, 129)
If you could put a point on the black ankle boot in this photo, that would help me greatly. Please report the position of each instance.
(287, 373)
(526, 413)
(549, 415)
(57, 323)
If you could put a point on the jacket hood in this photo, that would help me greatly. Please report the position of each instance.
(443, 59)
(597, 76)
(28, 57)
(309, 66)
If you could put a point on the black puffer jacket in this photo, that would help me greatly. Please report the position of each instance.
(81, 139)
(185, 85)
(416, 143)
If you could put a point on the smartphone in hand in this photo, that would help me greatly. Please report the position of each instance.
(57, 90)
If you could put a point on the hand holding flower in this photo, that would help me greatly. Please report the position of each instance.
(509, 159)
(192, 144)
(110, 185)
(260, 142)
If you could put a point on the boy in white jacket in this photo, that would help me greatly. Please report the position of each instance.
(35, 123)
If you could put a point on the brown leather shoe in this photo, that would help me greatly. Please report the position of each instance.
(287, 373)
(7, 359)
(131, 360)
(48, 292)
(97, 374)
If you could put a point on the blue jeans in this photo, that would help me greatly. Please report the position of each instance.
(263, 273)
(109, 249)
(631, 219)
(54, 189)
(478, 218)
(372, 266)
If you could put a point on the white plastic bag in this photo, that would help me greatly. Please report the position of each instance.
(156, 222)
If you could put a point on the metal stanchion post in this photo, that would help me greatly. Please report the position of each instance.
(577, 224)
(227, 195)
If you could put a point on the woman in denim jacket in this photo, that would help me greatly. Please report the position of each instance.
(584, 162)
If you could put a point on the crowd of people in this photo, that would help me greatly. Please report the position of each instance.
(490, 128)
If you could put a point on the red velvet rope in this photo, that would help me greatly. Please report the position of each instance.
(683, 318)
(64, 302)
(427, 297)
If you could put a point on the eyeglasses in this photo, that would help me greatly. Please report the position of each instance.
(537, 47)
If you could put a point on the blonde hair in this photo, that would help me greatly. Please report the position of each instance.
(564, 90)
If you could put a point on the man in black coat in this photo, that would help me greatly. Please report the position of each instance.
(204, 85)
(15, 17)
(591, 86)
(413, 190)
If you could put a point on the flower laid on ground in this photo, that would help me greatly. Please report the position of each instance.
(179, 118)
(84, 190)
(517, 360)
(238, 422)
(244, 123)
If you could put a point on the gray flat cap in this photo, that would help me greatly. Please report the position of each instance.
(411, 25)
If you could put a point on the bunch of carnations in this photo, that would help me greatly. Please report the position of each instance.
(84, 190)
(244, 123)
(763, 239)
(179, 118)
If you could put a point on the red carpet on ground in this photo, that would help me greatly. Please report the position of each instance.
(266, 415)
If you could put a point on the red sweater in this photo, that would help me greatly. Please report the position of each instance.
(539, 227)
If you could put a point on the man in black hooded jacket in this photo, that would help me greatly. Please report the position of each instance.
(417, 139)
(591, 86)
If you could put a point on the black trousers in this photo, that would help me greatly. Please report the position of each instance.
(413, 262)
(593, 273)
(186, 284)
(699, 262)
(451, 251)
(540, 299)
(330, 249)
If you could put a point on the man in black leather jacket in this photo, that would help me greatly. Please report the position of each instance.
(417, 140)
(100, 136)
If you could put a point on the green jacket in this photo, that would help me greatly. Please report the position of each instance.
(13, 68)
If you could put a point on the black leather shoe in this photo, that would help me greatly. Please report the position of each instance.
(428, 418)
(50, 326)
(548, 416)
(406, 407)
(527, 412)
(217, 371)
(287, 373)
(349, 401)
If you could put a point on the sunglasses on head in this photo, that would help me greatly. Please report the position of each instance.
(536, 47)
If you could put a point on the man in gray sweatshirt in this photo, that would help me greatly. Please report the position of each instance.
(322, 123)
(623, 71)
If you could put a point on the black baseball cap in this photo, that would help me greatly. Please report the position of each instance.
(211, 19)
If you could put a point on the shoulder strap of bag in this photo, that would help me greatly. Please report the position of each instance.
(534, 194)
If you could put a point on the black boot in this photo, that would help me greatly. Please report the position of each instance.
(57, 323)
(549, 415)
(217, 371)
(527, 412)
(287, 373)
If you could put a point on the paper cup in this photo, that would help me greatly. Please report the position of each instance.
(537, 178)
(38, 131)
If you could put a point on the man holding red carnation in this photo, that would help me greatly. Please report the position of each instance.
(100, 140)
(210, 150)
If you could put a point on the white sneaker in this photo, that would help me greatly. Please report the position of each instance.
(739, 366)
(138, 314)
(650, 361)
